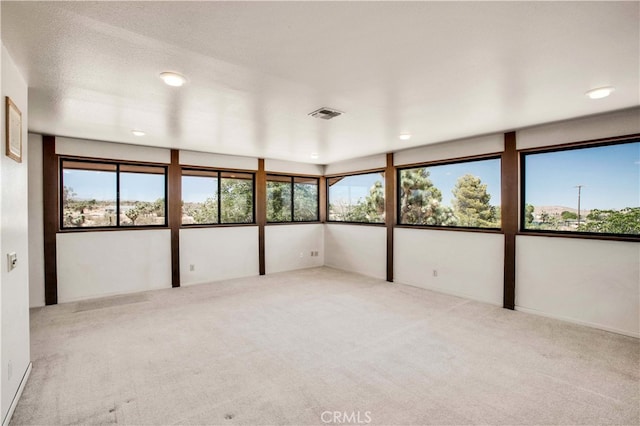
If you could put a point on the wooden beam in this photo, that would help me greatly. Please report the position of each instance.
(322, 199)
(174, 204)
(509, 216)
(261, 212)
(51, 215)
(390, 211)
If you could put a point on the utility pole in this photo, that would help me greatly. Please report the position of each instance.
(579, 191)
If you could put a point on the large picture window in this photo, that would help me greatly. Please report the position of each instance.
(463, 194)
(292, 199)
(594, 189)
(212, 197)
(98, 195)
(357, 198)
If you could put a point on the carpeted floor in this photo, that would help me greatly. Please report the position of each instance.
(320, 346)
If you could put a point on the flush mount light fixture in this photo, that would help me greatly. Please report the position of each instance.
(314, 155)
(405, 136)
(138, 132)
(600, 92)
(173, 78)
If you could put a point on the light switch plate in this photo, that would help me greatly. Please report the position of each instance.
(12, 261)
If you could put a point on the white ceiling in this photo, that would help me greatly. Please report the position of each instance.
(439, 70)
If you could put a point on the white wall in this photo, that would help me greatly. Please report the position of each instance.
(467, 264)
(14, 292)
(203, 159)
(618, 123)
(111, 151)
(289, 247)
(590, 282)
(293, 167)
(356, 248)
(96, 264)
(356, 164)
(36, 223)
(480, 145)
(218, 254)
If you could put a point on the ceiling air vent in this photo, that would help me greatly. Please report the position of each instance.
(325, 113)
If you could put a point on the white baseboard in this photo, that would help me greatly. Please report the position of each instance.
(16, 398)
(579, 322)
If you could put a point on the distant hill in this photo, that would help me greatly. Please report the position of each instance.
(557, 210)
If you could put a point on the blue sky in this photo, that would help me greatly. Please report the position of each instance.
(102, 185)
(196, 189)
(353, 188)
(444, 177)
(610, 175)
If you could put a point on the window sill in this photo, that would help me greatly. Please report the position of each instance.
(582, 236)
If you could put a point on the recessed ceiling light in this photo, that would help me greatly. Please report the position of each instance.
(405, 136)
(600, 92)
(173, 78)
(314, 155)
(138, 133)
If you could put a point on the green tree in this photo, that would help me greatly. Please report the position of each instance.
(67, 194)
(625, 221)
(471, 204)
(567, 215)
(371, 209)
(236, 200)
(528, 215)
(420, 201)
(278, 201)
(158, 207)
(133, 214)
(204, 213)
(305, 201)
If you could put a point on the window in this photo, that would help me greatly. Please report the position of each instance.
(96, 195)
(211, 197)
(292, 199)
(593, 189)
(305, 199)
(236, 198)
(357, 198)
(464, 194)
(200, 197)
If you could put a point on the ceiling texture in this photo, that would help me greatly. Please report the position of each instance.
(255, 70)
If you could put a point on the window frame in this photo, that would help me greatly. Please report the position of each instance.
(117, 163)
(344, 175)
(571, 146)
(460, 160)
(218, 172)
(292, 179)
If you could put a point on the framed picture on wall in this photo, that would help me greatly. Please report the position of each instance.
(14, 131)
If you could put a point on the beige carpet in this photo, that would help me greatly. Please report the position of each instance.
(295, 348)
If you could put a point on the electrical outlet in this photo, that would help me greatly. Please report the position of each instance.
(12, 261)
(301, 255)
(316, 253)
(192, 267)
(435, 272)
(312, 254)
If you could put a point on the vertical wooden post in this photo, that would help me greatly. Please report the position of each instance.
(51, 215)
(175, 214)
(261, 211)
(509, 216)
(390, 211)
(322, 199)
